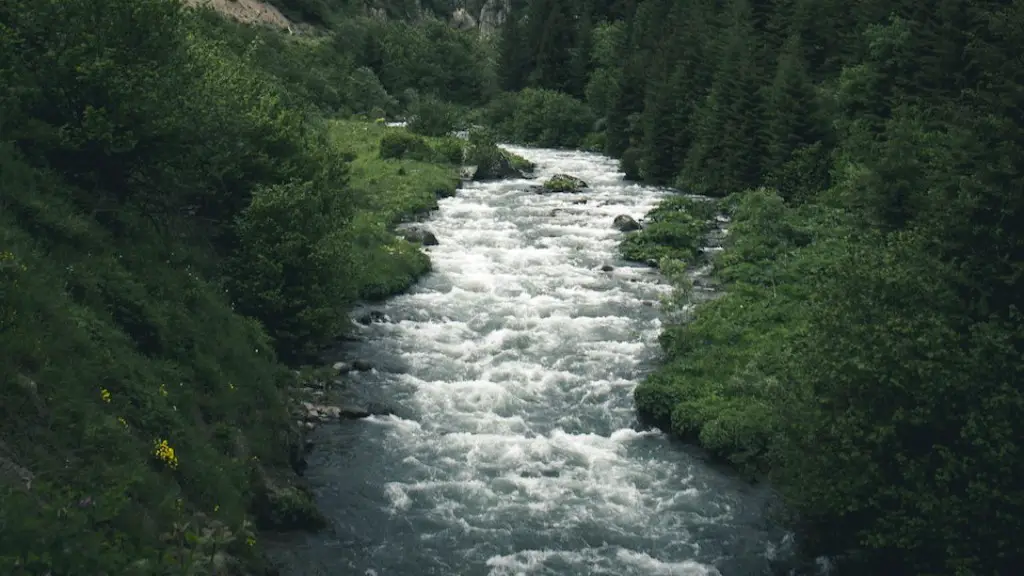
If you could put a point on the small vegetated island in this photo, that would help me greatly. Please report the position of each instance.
(193, 196)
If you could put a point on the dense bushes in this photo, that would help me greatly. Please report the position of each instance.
(539, 117)
(675, 229)
(173, 219)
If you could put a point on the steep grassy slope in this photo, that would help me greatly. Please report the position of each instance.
(175, 218)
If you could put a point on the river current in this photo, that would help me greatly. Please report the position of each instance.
(515, 447)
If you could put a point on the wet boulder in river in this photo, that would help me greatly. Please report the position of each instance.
(420, 236)
(625, 223)
(563, 183)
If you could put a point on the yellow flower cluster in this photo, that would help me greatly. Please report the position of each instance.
(165, 453)
(163, 390)
(123, 422)
(105, 395)
(9, 260)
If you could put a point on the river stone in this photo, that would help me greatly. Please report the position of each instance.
(371, 317)
(500, 168)
(625, 223)
(564, 183)
(607, 268)
(362, 366)
(420, 236)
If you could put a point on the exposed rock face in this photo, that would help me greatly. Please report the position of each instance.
(462, 20)
(492, 15)
(249, 12)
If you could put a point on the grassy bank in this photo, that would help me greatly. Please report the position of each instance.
(719, 384)
(179, 228)
(391, 190)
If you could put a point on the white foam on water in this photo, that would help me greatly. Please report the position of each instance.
(521, 356)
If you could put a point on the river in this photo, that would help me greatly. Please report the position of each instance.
(515, 447)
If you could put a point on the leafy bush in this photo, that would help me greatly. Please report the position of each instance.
(675, 229)
(292, 269)
(725, 360)
(540, 118)
(451, 150)
(432, 117)
(402, 144)
(630, 164)
(364, 93)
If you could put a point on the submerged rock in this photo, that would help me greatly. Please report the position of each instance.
(371, 317)
(362, 366)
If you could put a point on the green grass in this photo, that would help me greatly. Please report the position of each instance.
(389, 191)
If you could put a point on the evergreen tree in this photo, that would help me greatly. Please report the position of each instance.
(581, 63)
(725, 156)
(792, 123)
(680, 80)
(514, 57)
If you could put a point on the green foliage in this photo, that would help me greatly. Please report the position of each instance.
(175, 218)
(630, 163)
(291, 269)
(432, 117)
(426, 55)
(451, 150)
(402, 144)
(675, 229)
(541, 118)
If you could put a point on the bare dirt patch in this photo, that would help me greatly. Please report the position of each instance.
(248, 12)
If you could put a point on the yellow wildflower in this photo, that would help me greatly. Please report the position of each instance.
(250, 541)
(105, 394)
(165, 453)
(163, 390)
(123, 422)
(216, 508)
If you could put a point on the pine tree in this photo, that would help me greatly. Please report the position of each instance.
(581, 64)
(680, 80)
(551, 32)
(725, 157)
(514, 57)
(792, 123)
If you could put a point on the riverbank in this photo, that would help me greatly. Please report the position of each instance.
(716, 386)
(509, 370)
(162, 270)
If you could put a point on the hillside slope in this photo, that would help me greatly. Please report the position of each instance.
(180, 227)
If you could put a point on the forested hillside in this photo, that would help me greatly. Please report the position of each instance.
(867, 354)
(189, 206)
(185, 217)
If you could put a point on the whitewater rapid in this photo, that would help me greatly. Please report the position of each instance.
(515, 448)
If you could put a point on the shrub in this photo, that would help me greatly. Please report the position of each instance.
(540, 118)
(402, 144)
(432, 117)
